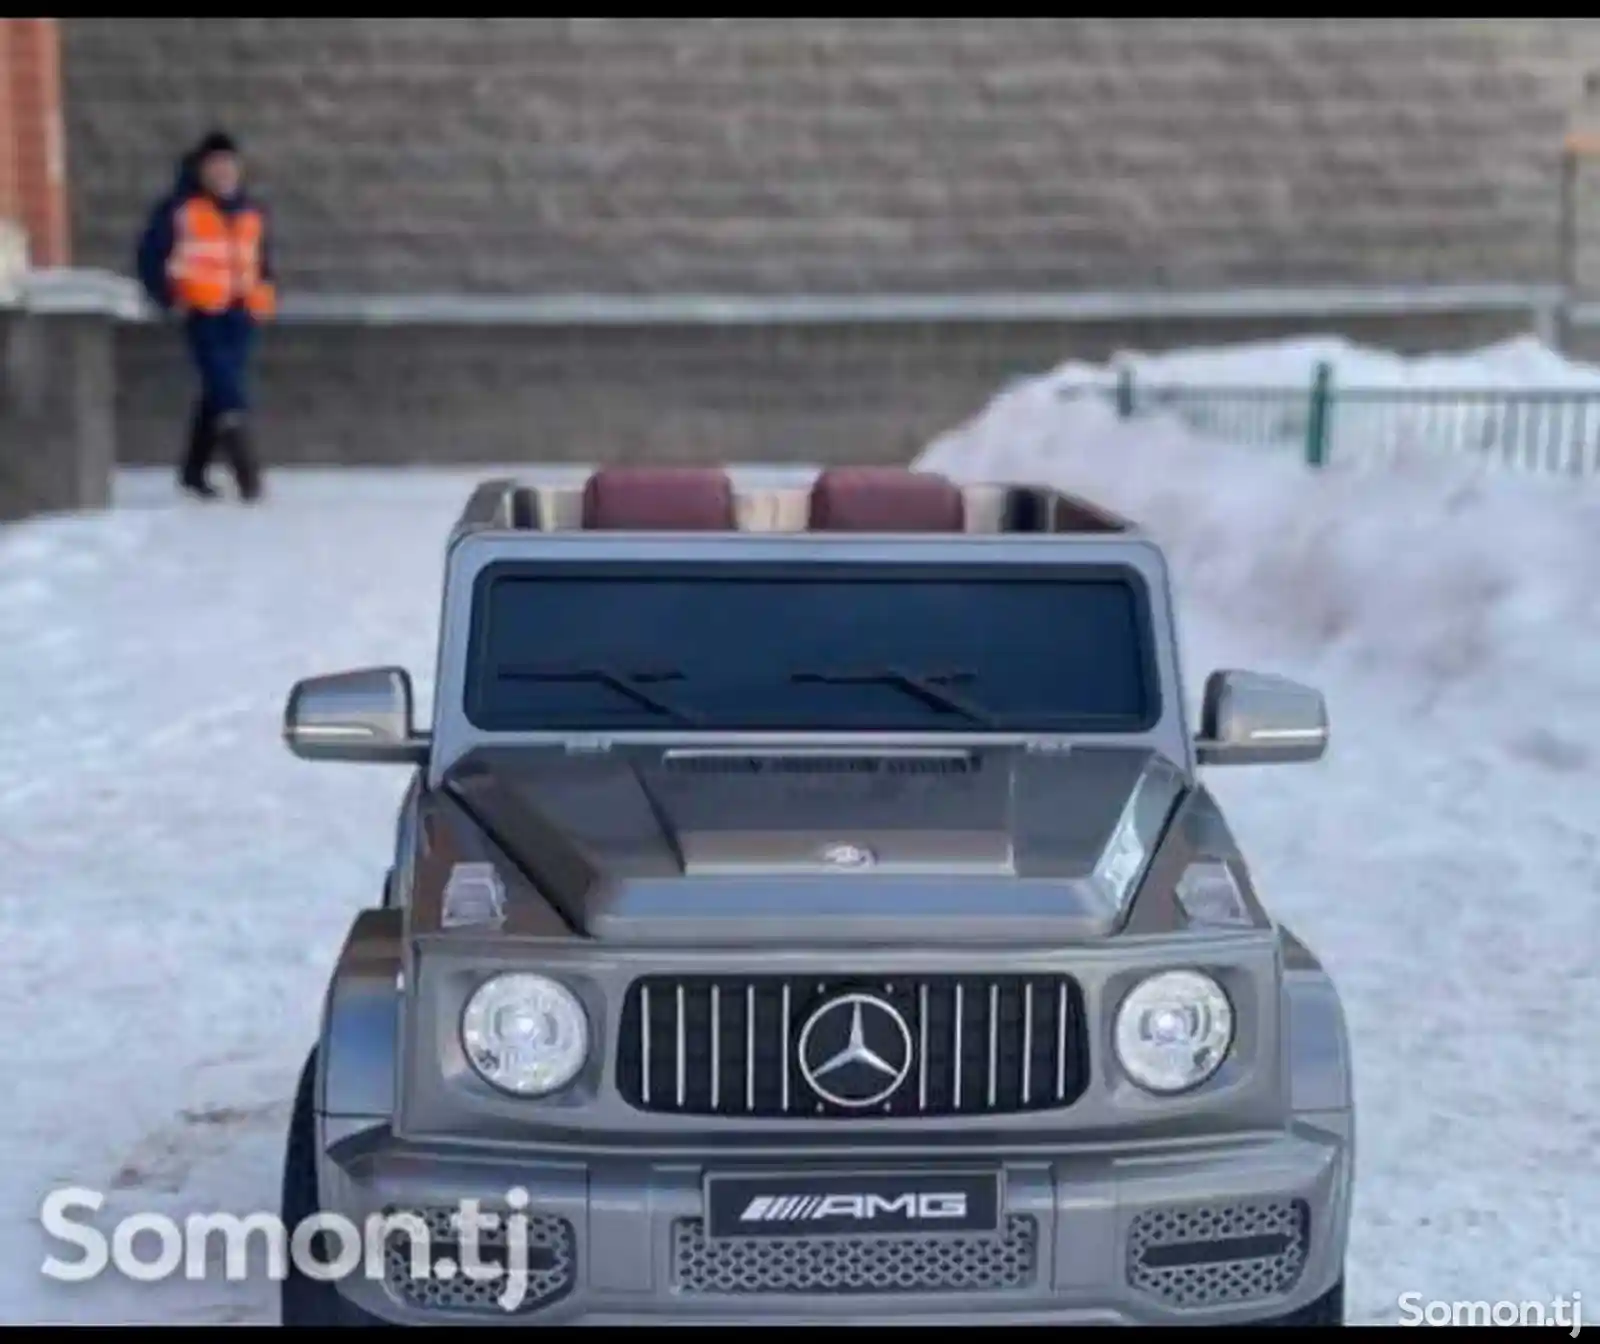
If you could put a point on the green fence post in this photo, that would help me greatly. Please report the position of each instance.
(1321, 417)
(1125, 395)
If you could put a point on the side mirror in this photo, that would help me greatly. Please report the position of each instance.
(363, 717)
(1253, 719)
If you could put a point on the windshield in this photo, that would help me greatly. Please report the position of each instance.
(799, 649)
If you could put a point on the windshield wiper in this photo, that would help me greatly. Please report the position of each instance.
(625, 684)
(926, 687)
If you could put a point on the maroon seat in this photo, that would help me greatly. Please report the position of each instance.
(659, 499)
(885, 499)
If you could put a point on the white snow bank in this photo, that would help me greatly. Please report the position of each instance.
(1431, 570)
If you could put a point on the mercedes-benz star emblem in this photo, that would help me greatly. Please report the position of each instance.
(855, 1051)
(848, 856)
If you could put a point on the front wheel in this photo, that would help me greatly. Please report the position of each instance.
(304, 1300)
(1325, 1311)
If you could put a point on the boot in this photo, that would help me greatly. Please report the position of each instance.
(233, 440)
(202, 443)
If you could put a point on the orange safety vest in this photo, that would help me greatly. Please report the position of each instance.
(216, 259)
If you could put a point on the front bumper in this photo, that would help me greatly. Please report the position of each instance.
(1206, 1233)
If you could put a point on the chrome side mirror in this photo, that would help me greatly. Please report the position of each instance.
(1250, 718)
(364, 717)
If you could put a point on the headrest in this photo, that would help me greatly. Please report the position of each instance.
(524, 509)
(1034, 509)
(885, 499)
(659, 499)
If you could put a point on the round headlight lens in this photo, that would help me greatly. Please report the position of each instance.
(1174, 1031)
(525, 1034)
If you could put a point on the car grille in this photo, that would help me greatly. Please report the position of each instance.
(1208, 1255)
(854, 1265)
(551, 1269)
(980, 1045)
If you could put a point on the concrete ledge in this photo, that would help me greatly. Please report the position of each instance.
(1541, 303)
(70, 292)
(104, 293)
(83, 292)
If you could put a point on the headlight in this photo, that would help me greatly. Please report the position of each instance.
(1174, 1031)
(525, 1034)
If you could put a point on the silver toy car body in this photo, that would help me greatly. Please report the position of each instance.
(806, 908)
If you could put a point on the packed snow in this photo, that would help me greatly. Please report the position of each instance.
(174, 887)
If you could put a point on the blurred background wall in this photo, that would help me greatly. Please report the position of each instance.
(775, 155)
(853, 159)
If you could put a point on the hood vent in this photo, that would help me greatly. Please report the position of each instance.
(922, 763)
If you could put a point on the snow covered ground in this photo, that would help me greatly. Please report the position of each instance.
(174, 887)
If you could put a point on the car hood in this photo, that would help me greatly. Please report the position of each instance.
(717, 847)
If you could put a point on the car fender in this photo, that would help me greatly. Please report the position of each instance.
(360, 1042)
(1316, 1038)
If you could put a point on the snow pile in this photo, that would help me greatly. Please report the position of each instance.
(1445, 575)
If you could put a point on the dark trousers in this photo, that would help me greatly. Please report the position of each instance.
(220, 347)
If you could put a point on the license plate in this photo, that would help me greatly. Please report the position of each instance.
(853, 1204)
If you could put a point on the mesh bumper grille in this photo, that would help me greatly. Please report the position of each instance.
(854, 1265)
(1213, 1255)
(552, 1265)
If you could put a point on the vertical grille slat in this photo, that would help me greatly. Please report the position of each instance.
(994, 1047)
(644, 1044)
(682, 1053)
(958, 1043)
(922, 1048)
(716, 1047)
(785, 1035)
(980, 1045)
(1061, 1042)
(750, 1049)
(1027, 1045)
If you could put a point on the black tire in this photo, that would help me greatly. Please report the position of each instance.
(1325, 1311)
(304, 1301)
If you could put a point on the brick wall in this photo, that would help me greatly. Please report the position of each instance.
(800, 155)
(770, 155)
(10, 200)
(32, 167)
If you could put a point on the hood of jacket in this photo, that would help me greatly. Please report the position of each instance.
(186, 185)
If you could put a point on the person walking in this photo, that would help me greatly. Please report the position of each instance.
(205, 257)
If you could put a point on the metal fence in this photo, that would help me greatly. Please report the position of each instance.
(1542, 431)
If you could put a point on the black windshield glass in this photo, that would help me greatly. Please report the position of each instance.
(795, 650)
